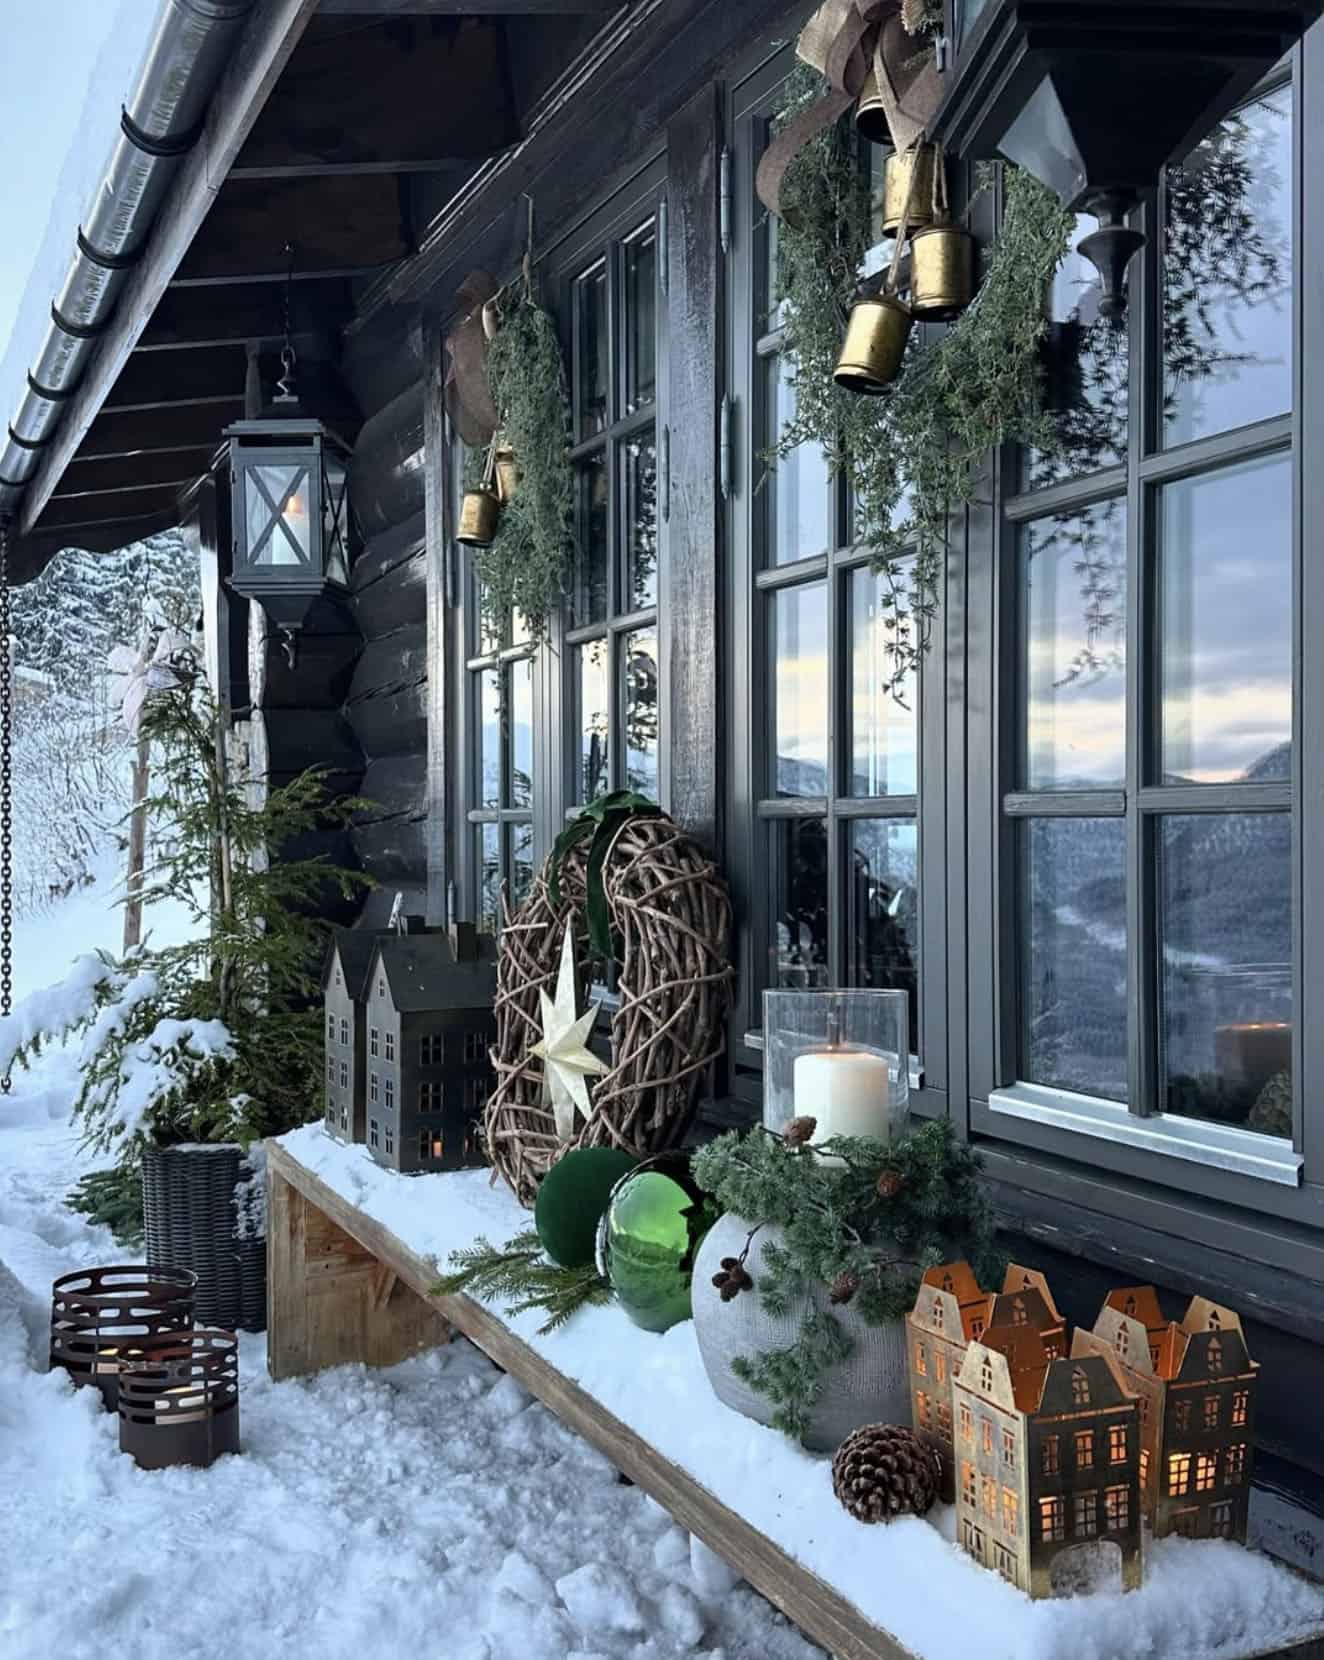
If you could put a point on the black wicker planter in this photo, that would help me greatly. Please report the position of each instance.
(189, 1220)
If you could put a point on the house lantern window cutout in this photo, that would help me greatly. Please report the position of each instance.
(937, 1316)
(1080, 1387)
(1018, 1312)
(1214, 1355)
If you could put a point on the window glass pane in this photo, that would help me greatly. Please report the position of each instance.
(883, 910)
(1226, 917)
(1073, 585)
(800, 690)
(519, 629)
(796, 489)
(594, 375)
(520, 844)
(1084, 361)
(1226, 557)
(797, 850)
(521, 733)
(487, 840)
(641, 319)
(883, 733)
(640, 659)
(1074, 955)
(594, 720)
(639, 460)
(488, 686)
(592, 552)
(1227, 273)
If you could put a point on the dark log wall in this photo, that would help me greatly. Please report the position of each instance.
(385, 705)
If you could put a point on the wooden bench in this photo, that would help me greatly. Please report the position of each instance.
(343, 1288)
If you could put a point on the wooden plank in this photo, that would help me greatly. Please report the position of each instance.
(386, 475)
(130, 433)
(440, 627)
(261, 54)
(694, 533)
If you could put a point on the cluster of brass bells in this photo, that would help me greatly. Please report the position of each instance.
(942, 267)
(480, 510)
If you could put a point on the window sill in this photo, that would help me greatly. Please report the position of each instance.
(1218, 1146)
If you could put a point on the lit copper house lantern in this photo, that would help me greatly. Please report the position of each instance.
(1094, 98)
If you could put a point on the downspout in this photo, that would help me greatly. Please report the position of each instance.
(190, 45)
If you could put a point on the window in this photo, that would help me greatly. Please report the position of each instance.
(388, 1093)
(344, 1033)
(1117, 1509)
(344, 1119)
(1206, 1472)
(1052, 1520)
(1212, 1410)
(1186, 1524)
(1221, 1521)
(1181, 1414)
(330, 1114)
(372, 1133)
(967, 1483)
(1009, 1448)
(986, 1375)
(1084, 1439)
(945, 1419)
(1241, 1407)
(967, 1421)
(381, 987)
(430, 1097)
(374, 1041)
(1118, 1441)
(1050, 1456)
(373, 1086)
(389, 1041)
(390, 1140)
(344, 1074)
(940, 1365)
(973, 1539)
(475, 1048)
(986, 1435)
(432, 1049)
(1214, 1355)
(925, 1406)
(330, 1028)
(1086, 1515)
(330, 1072)
(1004, 1562)
(1010, 1511)
(475, 1093)
(1234, 1464)
(988, 1493)
(921, 1360)
(430, 1144)
(1179, 1473)
(1144, 1467)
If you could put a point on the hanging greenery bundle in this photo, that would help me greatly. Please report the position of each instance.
(524, 568)
(914, 455)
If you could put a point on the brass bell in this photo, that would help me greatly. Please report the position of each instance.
(507, 473)
(875, 343)
(870, 116)
(897, 188)
(480, 513)
(942, 272)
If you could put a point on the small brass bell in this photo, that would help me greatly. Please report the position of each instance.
(507, 473)
(897, 189)
(942, 272)
(875, 343)
(870, 116)
(480, 513)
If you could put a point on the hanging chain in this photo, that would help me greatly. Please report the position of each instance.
(6, 791)
(285, 392)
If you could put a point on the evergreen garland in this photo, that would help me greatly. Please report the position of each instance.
(519, 1272)
(524, 569)
(864, 1233)
(914, 455)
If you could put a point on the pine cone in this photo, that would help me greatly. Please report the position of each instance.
(890, 1184)
(800, 1130)
(733, 1279)
(844, 1287)
(882, 1470)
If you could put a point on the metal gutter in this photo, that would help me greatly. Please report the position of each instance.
(190, 46)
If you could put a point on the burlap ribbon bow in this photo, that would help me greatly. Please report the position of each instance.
(468, 398)
(844, 40)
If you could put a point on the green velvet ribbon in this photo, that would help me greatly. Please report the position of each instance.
(601, 819)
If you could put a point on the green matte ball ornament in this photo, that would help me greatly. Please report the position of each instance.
(572, 1199)
(649, 1237)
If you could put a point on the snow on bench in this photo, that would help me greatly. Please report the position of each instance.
(352, 1252)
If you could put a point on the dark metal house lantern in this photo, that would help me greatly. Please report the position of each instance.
(344, 978)
(1094, 97)
(99, 1314)
(429, 1009)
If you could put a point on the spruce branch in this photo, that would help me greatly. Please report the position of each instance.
(520, 1275)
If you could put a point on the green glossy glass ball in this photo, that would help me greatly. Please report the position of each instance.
(572, 1199)
(650, 1234)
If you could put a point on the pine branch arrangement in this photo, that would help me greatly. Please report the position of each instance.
(519, 1272)
(863, 1233)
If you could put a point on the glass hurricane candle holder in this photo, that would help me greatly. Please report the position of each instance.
(841, 1058)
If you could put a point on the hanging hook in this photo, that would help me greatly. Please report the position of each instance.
(285, 391)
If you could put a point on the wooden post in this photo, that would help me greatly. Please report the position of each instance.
(133, 906)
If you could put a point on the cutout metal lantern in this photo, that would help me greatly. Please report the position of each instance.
(1095, 98)
(290, 513)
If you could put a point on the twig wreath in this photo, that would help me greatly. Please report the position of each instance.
(670, 924)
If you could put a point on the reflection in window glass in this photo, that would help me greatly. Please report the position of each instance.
(1227, 273)
(639, 459)
(1074, 955)
(591, 545)
(1226, 916)
(800, 686)
(489, 738)
(1226, 557)
(487, 838)
(1073, 586)
(798, 860)
(1084, 361)
(883, 910)
(883, 731)
(594, 720)
(521, 733)
(594, 376)
(641, 711)
(521, 861)
(797, 488)
(641, 320)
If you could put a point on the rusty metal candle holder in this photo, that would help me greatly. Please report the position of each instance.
(179, 1399)
(97, 1313)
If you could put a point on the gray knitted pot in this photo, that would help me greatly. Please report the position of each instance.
(871, 1387)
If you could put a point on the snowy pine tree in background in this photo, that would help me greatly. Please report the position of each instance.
(71, 754)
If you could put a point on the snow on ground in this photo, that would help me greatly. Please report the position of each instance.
(428, 1512)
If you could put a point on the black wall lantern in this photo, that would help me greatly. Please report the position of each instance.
(1094, 97)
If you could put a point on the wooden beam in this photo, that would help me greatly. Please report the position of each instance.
(190, 318)
(260, 56)
(343, 273)
(128, 433)
(110, 507)
(83, 478)
(351, 169)
(180, 377)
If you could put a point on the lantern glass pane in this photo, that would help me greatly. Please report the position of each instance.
(276, 514)
(335, 513)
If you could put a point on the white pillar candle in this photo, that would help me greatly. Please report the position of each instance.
(846, 1090)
